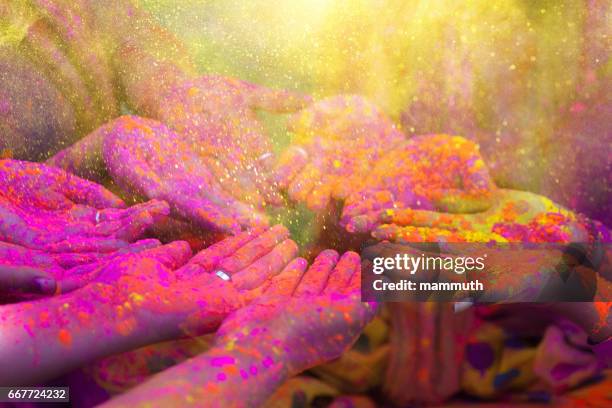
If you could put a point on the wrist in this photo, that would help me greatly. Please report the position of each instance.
(258, 367)
(122, 315)
(256, 348)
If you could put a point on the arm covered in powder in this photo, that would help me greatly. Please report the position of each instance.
(304, 318)
(138, 299)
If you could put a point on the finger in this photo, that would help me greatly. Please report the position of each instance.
(354, 284)
(284, 283)
(156, 208)
(346, 185)
(71, 259)
(365, 202)
(75, 259)
(86, 244)
(207, 260)
(88, 193)
(289, 165)
(253, 250)
(83, 268)
(172, 255)
(126, 229)
(459, 201)
(340, 277)
(266, 267)
(204, 214)
(26, 279)
(320, 195)
(316, 276)
(303, 183)
(266, 187)
(135, 227)
(363, 223)
(139, 246)
(131, 223)
(424, 218)
(231, 179)
(410, 234)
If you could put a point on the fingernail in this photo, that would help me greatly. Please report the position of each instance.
(45, 286)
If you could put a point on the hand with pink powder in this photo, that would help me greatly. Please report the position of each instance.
(27, 274)
(208, 157)
(48, 209)
(54, 226)
(216, 116)
(304, 318)
(140, 298)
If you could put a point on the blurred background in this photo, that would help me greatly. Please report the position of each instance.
(528, 80)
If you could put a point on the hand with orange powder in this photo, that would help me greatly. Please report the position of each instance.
(304, 318)
(514, 216)
(336, 141)
(137, 299)
(140, 65)
(431, 172)
(347, 149)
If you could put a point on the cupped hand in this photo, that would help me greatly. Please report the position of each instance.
(48, 209)
(432, 172)
(145, 157)
(514, 216)
(176, 294)
(29, 273)
(337, 140)
(304, 317)
(217, 116)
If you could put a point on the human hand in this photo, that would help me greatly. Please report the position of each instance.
(29, 273)
(51, 210)
(305, 317)
(146, 157)
(216, 115)
(338, 139)
(173, 294)
(440, 172)
(515, 216)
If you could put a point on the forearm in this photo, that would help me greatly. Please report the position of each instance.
(44, 339)
(145, 77)
(214, 379)
(147, 59)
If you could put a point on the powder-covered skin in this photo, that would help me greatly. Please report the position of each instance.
(208, 157)
(54, 226)
(347, 149)
(304, 318)
(212, 168)
(140, 298)
(336, 141)
(514, 216)
(434, 172)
